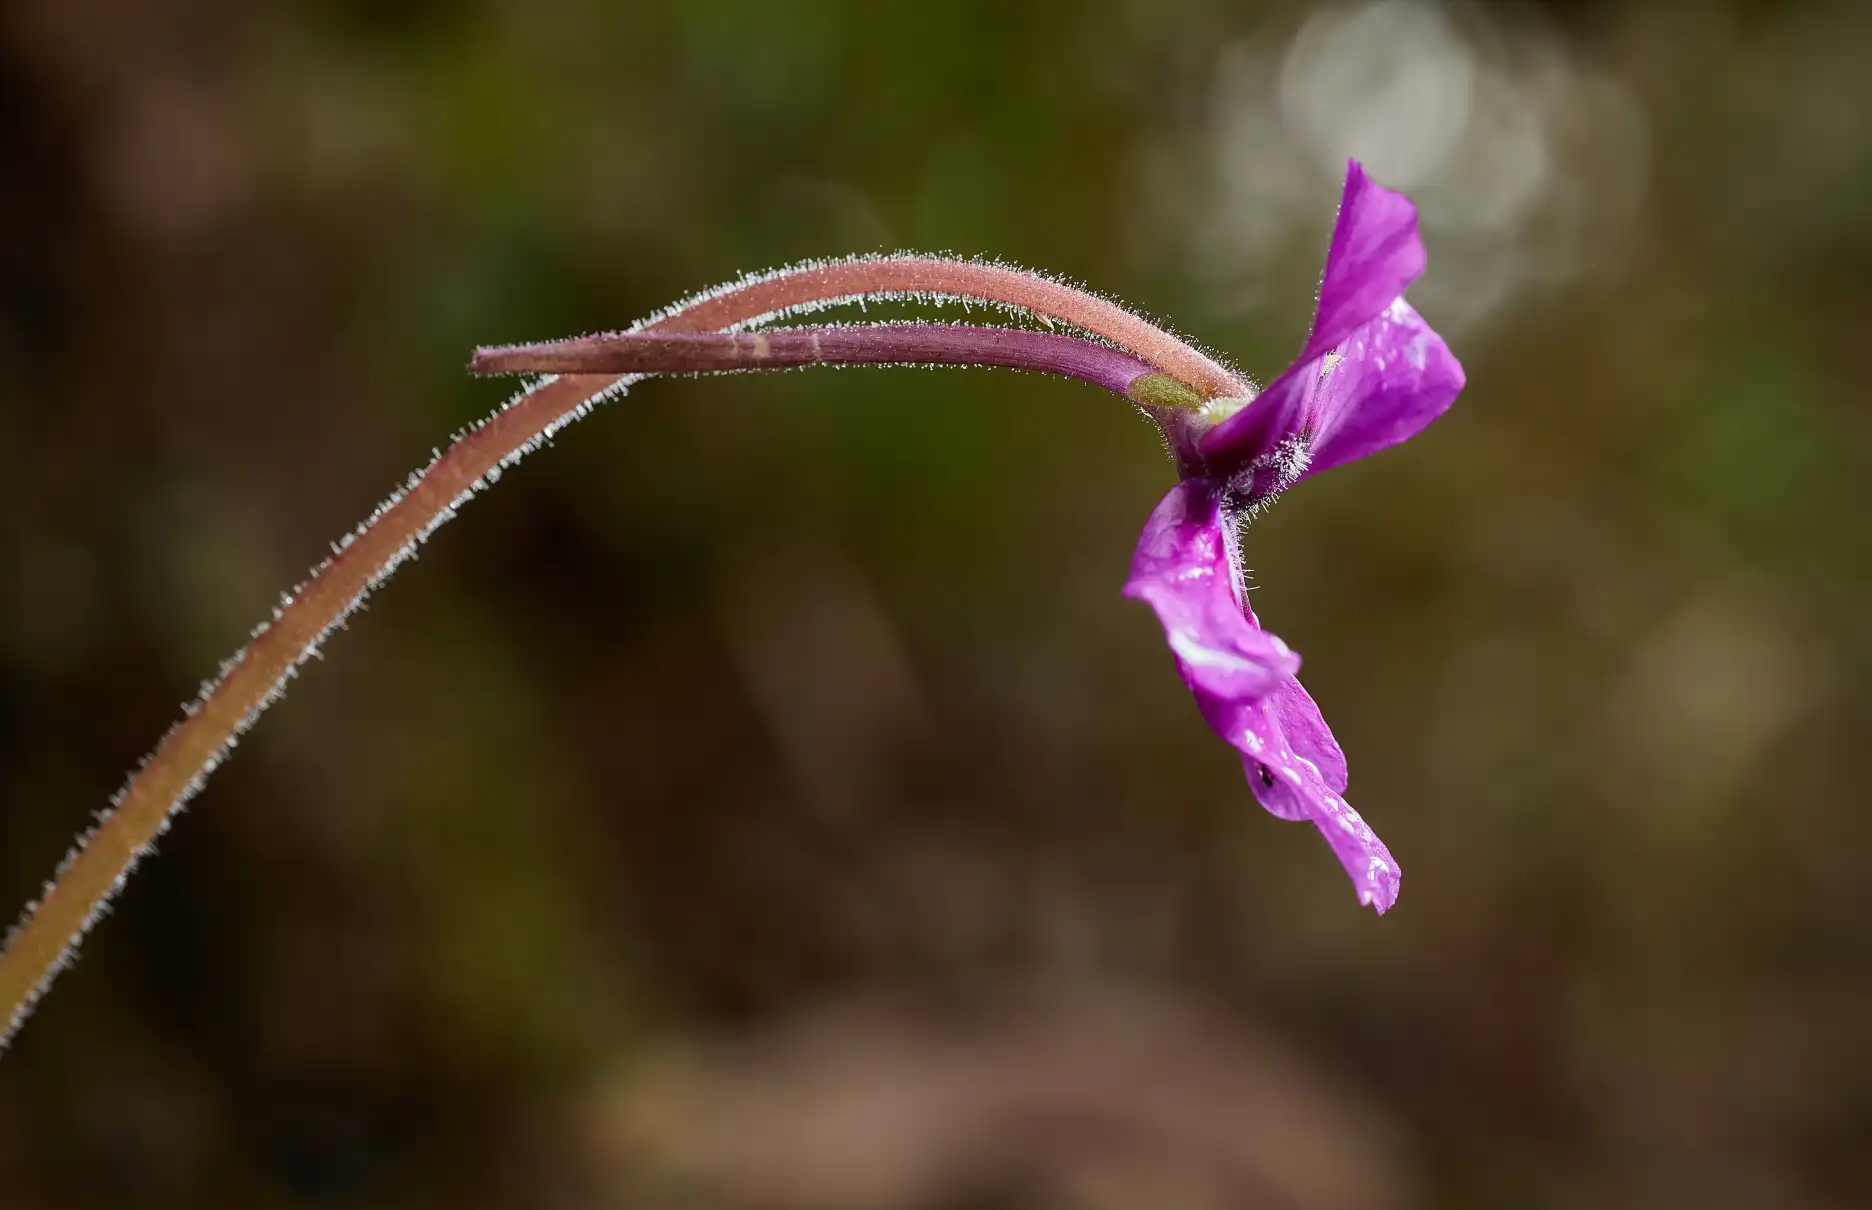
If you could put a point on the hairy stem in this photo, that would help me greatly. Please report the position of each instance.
(47, 936)
(862, 344)
(810, 286)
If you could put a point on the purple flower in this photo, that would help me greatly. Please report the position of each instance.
(1372, 374)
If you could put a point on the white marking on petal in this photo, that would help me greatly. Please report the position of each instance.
(1192, 650)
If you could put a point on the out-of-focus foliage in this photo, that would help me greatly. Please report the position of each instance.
(764, 798)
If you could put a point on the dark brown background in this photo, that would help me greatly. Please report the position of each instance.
(764, 799)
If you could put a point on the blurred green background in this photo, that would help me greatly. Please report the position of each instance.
(764, 800)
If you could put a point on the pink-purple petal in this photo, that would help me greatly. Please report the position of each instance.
(1293, 787)
(1186, 568)
(1373, 373)
(1391, 378)
(1307, 733)
(1298, 772)
(1375, 253)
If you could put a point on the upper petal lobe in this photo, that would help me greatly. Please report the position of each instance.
(1375, 253)
(1373, 373)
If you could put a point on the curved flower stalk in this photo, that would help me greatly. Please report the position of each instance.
(1372, 374)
